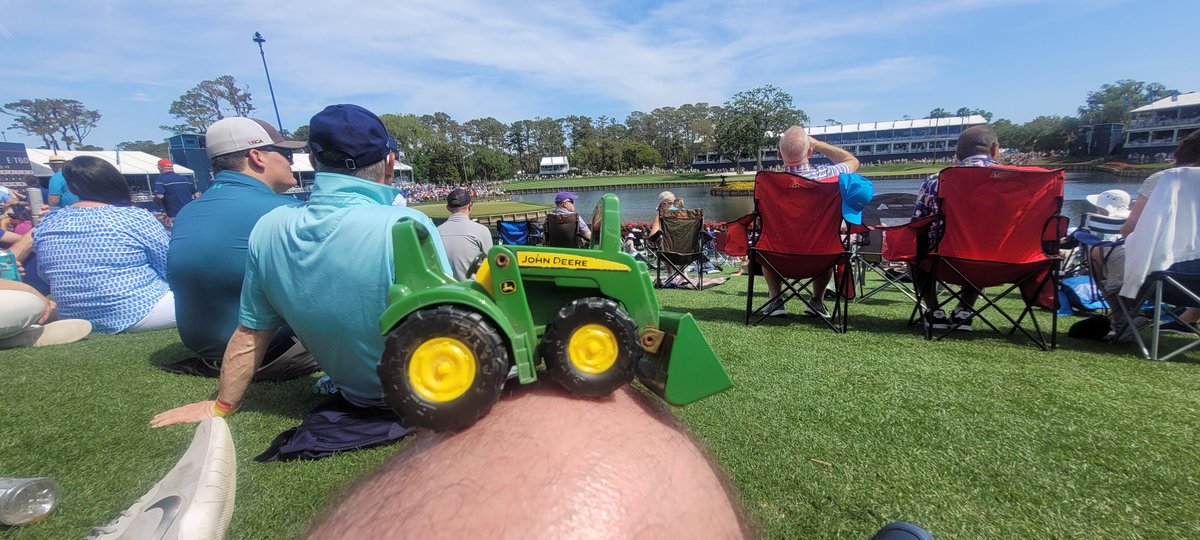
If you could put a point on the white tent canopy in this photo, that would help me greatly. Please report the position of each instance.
(301, 164)
(132, 163)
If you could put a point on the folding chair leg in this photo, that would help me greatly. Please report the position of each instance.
(1157, 319)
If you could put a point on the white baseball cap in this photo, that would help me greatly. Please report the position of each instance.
(238, 133)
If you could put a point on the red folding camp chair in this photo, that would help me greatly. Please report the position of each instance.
(801, 235)
(1000, 226)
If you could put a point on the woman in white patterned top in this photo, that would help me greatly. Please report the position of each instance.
(105, 259)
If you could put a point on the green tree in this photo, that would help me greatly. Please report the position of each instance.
(1008, 133)
(208, 102)
(300, 133)
(967, 111)
(520, 143)
(60, 123)
(939, 113)
(149, 147)
(489, 164)
(639, 155)
(444, 163)
(762, 114)
(733, 135)
(487, 132)
(1112, 102)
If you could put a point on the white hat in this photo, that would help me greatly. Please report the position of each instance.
(666, 197)
(1114, 201)
(238, 133)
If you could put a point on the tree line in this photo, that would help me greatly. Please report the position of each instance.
(443, 149)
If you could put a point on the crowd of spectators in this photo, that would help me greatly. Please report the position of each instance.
(417, 192)
(1160, 157)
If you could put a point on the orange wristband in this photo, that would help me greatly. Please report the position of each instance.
(220, 408)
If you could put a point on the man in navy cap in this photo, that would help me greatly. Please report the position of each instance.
(324, 268)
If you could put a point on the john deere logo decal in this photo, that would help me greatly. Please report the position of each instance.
(508, 287)
(535, 259)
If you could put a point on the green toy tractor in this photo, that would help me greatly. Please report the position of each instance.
(589, 315)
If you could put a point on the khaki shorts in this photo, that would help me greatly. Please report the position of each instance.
(1114, 271)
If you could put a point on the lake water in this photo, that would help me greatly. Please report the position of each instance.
(639, 204)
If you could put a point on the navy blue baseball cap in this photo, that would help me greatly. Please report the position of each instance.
(348, 137)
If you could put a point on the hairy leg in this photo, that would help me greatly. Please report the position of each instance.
(772, 281)
(542, 464)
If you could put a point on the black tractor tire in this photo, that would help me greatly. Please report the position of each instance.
(612, 370)
(475, 394)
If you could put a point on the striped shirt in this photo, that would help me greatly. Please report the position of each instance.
(818, 172)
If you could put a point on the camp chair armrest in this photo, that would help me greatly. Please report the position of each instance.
(1053, 232)
(906, 243)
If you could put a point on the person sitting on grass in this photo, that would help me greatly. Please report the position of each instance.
(796, 148)
(29, 319)
(105, 259)
(207, 259)
(324, 268)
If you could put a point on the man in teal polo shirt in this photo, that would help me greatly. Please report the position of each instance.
(207, 259)
(324, 269)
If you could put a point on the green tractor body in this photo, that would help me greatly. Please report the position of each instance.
(590, 314)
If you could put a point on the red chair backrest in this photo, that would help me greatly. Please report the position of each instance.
(734, 241)
(998, 213)
(799, 216)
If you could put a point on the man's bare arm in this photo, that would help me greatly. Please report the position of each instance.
(245, 352)
(835, 154)
(542, 464)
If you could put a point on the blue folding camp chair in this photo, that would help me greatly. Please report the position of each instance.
(519, 233)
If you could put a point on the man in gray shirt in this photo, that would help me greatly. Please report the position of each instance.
(463, 239)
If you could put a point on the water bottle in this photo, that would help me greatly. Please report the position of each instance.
(25, 500)
(8, 266)
(35, 204)
(324, 386)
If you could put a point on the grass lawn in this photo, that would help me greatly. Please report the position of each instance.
(482, 208)
(824, 435)
(901, 168)
(879, 171)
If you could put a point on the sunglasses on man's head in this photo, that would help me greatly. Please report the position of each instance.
(285, 152)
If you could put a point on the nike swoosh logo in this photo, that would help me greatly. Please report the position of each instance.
(170, 510)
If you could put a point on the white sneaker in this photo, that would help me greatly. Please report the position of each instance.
(192, 502)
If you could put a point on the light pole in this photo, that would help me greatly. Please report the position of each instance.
(260, 40)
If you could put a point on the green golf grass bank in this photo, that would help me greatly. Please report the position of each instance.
(481, 209)
(822, 435)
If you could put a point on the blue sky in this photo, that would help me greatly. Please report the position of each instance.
(853, 61)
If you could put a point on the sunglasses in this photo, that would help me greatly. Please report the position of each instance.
(287, 153)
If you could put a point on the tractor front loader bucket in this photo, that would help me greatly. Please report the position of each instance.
(685, 369)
